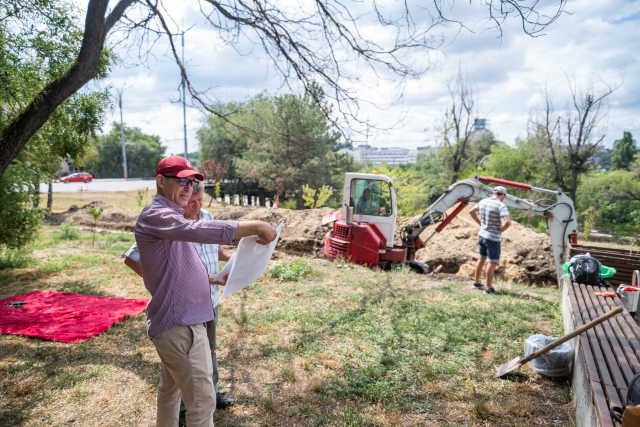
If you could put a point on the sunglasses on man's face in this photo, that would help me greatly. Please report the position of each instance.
(183, 181)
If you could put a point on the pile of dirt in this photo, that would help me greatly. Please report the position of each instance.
(527, 256)
(302, 234)
(113, 217)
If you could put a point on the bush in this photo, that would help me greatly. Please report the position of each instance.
(289, 204)
(293, 272)
(68, 231)
(14, 259)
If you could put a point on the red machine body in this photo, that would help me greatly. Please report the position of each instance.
(362, 243)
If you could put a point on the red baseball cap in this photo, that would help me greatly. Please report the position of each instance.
(178, 167)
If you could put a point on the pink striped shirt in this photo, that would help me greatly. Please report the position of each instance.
(171, 269)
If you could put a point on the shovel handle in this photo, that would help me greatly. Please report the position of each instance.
(575, 333)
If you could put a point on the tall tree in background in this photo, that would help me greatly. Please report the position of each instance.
(220, 140)
(572, 138)
(33, 53)
(625, 153)
(292, 144)
(144, 152)
(460, 146)
(457, 124)
(322, 42)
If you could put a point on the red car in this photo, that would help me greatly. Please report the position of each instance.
(77, 177)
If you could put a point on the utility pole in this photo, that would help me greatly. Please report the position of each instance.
(184, 104)
(124, 151)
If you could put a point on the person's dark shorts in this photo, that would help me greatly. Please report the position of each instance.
(490, 249)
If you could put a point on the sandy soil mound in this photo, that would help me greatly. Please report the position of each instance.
(527, 256)
(302, 233)
(113, 217)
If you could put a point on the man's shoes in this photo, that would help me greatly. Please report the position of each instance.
(491, 291)
(182, 419)
(478, 286)
(223, 402)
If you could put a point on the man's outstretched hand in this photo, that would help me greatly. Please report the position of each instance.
(266, 232)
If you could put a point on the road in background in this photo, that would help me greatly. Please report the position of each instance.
(99, 185)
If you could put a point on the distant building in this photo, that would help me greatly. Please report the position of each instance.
(392, 156)
(480, 127)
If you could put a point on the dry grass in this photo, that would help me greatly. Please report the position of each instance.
(124, 199)
(344, 347)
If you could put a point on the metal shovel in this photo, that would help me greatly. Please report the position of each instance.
(518, 362)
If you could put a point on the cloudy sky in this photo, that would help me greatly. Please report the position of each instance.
(598, 41)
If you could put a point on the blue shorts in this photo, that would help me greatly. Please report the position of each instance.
(489, 248)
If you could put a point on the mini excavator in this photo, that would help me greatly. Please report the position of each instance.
(364, 229)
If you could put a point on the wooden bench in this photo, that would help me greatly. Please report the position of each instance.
(607, 356)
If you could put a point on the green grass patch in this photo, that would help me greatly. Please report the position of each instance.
(291, 272)
(15, 259)
(68, 231)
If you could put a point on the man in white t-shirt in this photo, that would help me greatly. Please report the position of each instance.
(491, 213)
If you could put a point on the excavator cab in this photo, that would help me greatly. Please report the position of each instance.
(373, 200)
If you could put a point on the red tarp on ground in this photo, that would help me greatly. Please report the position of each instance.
(63, 316)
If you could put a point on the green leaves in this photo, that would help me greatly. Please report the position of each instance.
(95, 213)
(285, 142)
(624, 153)
(144, 152)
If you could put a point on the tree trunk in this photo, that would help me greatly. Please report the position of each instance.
(300, 200)
(36, 193)
(574, 186)
(50, 197)
(17, 133)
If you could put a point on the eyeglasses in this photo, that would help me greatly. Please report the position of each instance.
(183, 181)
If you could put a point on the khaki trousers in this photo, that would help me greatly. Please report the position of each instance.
(185, 358)
(211, 334)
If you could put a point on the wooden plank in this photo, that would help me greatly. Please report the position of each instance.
(628, 319)
(602, 408)
(601, 365)
(627, 330)
(592, 370)
(632, 259)
(613, 397)
(610, 346)
(623, 394)
(627, 360)
(578, 246)
(583, 248)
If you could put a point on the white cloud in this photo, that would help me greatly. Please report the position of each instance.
(600, 39)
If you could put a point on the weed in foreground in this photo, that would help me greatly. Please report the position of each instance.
(292, 272)
(288, 375)
(15, 259)
(68, 231)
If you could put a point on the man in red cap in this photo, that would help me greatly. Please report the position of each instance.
(180, 302)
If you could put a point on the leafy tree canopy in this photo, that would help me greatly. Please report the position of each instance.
(284, 142)
(624, 153)
(144, 152)
(39, 40)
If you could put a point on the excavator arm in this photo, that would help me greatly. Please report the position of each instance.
(560, 214)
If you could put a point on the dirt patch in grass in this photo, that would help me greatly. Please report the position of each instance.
(113, 217)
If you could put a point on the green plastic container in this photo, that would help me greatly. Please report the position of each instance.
(605, 272)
